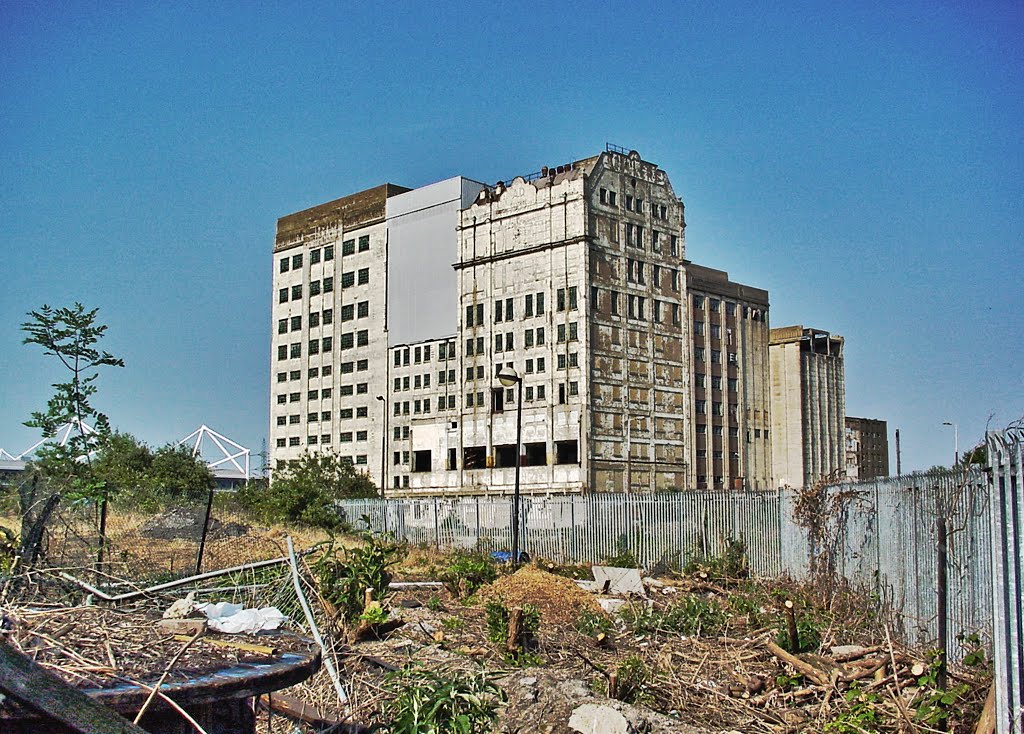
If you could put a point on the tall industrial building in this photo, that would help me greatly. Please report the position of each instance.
(576, 278)
(808, 405)
(867, 448)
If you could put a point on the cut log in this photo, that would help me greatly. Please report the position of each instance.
(794, 635)
(804, 668)
(515, 629)
(296, 708)
(987, 721)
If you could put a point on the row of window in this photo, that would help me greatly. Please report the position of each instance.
(325, 415)
(715, 305)
(346, 340)
(346, 368)
(700, 380)
(348, 247)
(636, 307)
(700, 354)
(326, 317)
(636, 272)
(316, 287)
(633, 204)
(421, 353)
(566, 299)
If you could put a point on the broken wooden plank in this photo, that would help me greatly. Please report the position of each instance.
(296, 708)
(38, 688)
(231, 644)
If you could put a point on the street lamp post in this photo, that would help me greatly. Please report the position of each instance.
(956, 442)
(509, 377)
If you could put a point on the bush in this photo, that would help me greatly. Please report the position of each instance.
(467, 572)
(305, 491)
(344, 575)
(690, 615)
(732, 564)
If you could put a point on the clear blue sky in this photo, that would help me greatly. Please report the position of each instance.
(862, 162)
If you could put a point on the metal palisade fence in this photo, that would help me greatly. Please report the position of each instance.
(1006, 464)
(883, 537)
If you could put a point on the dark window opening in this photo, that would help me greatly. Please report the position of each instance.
(505, 455)
(421, 460)
(497, 400)
(567, 452)
(474, 457)
(453, 458)
(535, 454)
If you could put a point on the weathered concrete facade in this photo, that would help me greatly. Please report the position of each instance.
(640, 370)
(731, 400)
(808, 405)
(867, 448)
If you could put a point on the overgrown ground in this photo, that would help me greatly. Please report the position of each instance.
(704, 649)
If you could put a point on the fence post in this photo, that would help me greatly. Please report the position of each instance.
(103, 533)
(206, 530)
(437, 527)
(942, 593)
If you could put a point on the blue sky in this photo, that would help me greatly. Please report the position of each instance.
(863, 162)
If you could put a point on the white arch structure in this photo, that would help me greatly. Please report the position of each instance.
(230, 455)
(62, 435)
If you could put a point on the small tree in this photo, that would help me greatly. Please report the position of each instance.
(71, 335)
(128, 467)
(304, 490)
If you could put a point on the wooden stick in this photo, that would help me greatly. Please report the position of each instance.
(802, 667)
(170, 702)
(794, 635)
(515, 629)
(32, 685)
(987, 721)
(247, 646)
(167, 672)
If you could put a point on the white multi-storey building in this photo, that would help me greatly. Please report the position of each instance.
(576, 278)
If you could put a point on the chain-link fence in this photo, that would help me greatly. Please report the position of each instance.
(138, 535)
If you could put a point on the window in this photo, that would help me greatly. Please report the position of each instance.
(699, 379)
(314, 319)
(698, 328)
(675, 281)
(676, 318)
(328, 255)
(529, 366)
(328, 343)
(282, 326)
(348, 247)
(540, 336)
(328, 315)
(361, 411)
(509, 341)
(528, 338)
(364, 275)
(698, 354)
(296, 261)
(567, 452)
(296, 292)
(540, 368)
(282, 376)
(674, 245)
(312, 440)
(657, 311)
(701, 406)
(572, 297)
(314, 288)
(615, 303)
(716, 331)
(716, 382)
(499, 343)
(713, 304)
(611, 198)
(282, 295)
(604, 196)
(528, 305)
(314, 346)
(293, 441)
(364, 243)
(629, 203)
(574, 359)
(426, 350)
(362, 337)
(297, 374)
(282, 399)
(573, 331)
(716, 356)
(561, 361)
(328, 284)
(284, 264)
(730, 309)
(293, 419)
(497, 311)
(560, 299)
(348, 279)
(509, 309)
(540, 304)
(295, 351)
(561, 333)
(655, 243)
(347, 368)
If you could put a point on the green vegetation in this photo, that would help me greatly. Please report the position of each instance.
(860, 718)
(304, 491)
(689, 615)
(425, 702)
(467, 571)
(593, 623)
(343, 575)
(624, 556)
(732, 564)
(498, 629)
(633, 681)
(145, 479)
(71, 335)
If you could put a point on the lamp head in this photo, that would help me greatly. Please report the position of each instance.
(508, 377)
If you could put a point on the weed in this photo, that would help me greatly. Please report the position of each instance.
(860, 718)
(634, 680)
(453, 624)
(467, 572)
(592, 623)
(788, 682)
(809, 633)
(732, 564)
(374, 615)
(426, 702)
(624, 557)
(934, 705)
(497, 629)
(344, 575)
(434, 603)
(690, 615)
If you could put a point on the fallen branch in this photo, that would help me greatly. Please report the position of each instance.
(167, 672)
(804, 668)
